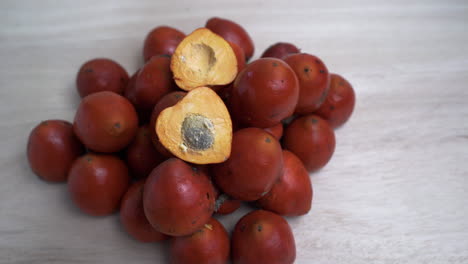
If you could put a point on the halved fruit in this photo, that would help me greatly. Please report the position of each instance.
(203, 59)
(198, 129)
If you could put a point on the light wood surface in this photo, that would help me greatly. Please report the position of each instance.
(395, 190)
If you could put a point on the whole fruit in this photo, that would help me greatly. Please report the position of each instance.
(178, 199)
(52, 148)
(232, 32)
(339, 103)
(132, 216)
(256, 162)
(208, 245)
(262, 237)
(312, 140)
(152, 82)
(161, 40)
(313, 81)
(280, 50)
(264, 93)
(99, 75)
(292, 193)
(105, 122)
(97, 182)
(141, 156)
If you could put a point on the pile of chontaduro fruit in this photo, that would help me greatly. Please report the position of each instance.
(194, 132)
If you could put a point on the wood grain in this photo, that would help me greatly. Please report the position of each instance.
(396, 190)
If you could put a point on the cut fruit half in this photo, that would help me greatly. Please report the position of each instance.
(198, 129)
(203, 59)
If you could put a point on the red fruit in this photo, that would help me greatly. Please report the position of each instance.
(97, 183)
(52, 148)
(208, 245)
(280, 50)
(105, 122)
(232, 32)
(276, 131)
(142, 157)
(255, 164)
(313, 81)
(152, 82)
(226, 205)
(99, 75)
(262, 237)
(178, 199)
(339, 103)
(162, 40)
(312, 140)
(133, 217)
(264, 93)
(292, 194)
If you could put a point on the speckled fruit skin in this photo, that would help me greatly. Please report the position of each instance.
(232, 32)
(339, 103)
(314, 80)
(132, 216)
(255, 164)
(168, 100)
(312, 140)
(52, 148)
(105, 122)
(280, 50)
(99, 75)
(178, 199)
(262, 237)
(264, 93)
(141, 156)
(208, 245)
(97, 182)
(276, 130)
(292, 194)
(161, 40)
(152, 82)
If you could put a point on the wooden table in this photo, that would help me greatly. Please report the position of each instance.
(396, 190)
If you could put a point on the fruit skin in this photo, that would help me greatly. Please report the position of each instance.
(162, 40)
(105, 122)
(225, 204)
(153, 81)
(52, 148)
(292, 194)
(141, 156)
(264, 93)
(97, 182)
(178, 199)
(312, 140)
(130, 94)
(208, 245)
(276, 131)
(314, 80)
(339, 103)
(240, 56)
(133, 217)
(255, 164)
(232, 32)
(99, 75)
(166, 101)
(262, 237)
(280, 50)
